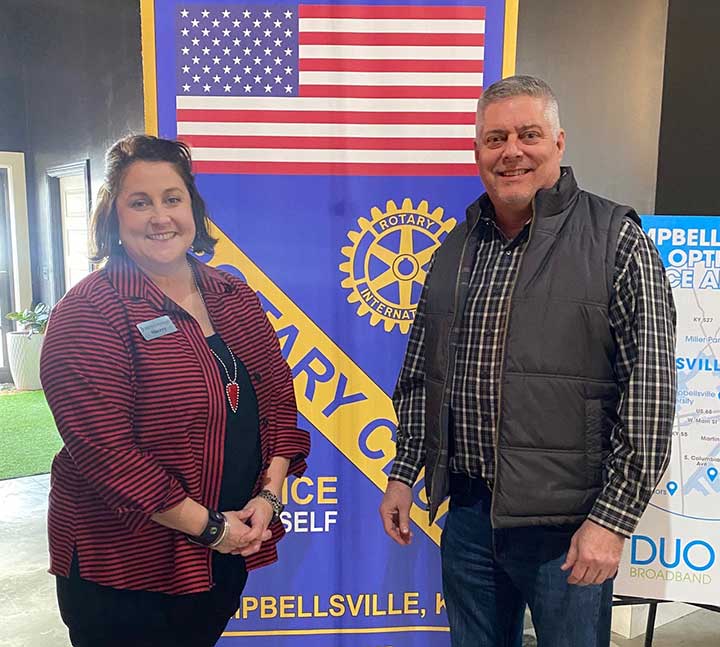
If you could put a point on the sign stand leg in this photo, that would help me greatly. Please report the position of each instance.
(650, 627)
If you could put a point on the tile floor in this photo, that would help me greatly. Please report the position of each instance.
(27, 592)
(29, 616)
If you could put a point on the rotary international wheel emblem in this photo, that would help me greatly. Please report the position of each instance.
(388, 258)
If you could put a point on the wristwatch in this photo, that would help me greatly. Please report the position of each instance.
(214, 531)
(277, 506)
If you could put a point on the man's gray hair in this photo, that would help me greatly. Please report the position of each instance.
(519, 86)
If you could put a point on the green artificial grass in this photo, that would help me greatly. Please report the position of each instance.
(28, 436)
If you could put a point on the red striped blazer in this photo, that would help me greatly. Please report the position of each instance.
(143, 423)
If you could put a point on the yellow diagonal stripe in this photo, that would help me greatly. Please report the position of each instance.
(327, 383)
(147, 29)
(510, 38)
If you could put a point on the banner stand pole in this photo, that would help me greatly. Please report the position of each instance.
(626, 600)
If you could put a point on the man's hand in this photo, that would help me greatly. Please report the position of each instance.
(395, 512)
(594, 554)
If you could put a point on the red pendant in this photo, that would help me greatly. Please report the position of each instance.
(233, 395)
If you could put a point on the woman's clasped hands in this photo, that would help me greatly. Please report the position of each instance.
(247, 529)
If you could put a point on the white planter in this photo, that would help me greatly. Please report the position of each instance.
(24, 359)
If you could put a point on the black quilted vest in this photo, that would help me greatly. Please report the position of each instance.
(558, 394)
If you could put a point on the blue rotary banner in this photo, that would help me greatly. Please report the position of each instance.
(333, 146)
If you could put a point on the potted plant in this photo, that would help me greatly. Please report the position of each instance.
(24, 346)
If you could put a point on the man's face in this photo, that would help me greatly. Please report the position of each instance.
(516, 152)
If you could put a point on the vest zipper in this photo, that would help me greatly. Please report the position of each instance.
(447, 371)
(496, 438)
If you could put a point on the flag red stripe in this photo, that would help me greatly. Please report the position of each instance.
(331, 143)
(411, 40)
(373, 65)
(399, 12)
(390, 92)
(325, 117)
(330, 168)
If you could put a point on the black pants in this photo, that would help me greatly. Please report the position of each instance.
(102, 616)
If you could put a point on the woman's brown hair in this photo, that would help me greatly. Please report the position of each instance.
(104, 220)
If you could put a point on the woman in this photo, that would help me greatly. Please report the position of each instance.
(178, 416)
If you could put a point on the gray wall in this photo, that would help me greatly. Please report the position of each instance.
(12, 92)
(689, 138)
(605, 62)
(76, 64)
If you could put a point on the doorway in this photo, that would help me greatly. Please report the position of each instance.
(15, 282)
(69, 188)
(6, 300)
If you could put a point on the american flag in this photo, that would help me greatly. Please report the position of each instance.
(329, 89)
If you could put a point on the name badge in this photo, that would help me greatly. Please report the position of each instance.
(154, 328)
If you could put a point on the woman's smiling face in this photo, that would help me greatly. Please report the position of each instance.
(155, 217)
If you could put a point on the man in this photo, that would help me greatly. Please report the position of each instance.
(538, 388)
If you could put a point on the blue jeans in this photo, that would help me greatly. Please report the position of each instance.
(489, 575)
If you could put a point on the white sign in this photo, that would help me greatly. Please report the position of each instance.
(675, 551)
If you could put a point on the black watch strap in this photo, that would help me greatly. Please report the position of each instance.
(213, 530)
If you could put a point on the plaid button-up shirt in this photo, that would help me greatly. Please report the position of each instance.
(642, 319)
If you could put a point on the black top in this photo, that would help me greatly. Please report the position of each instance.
(242, 458)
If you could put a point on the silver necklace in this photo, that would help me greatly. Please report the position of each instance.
(232, 388)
